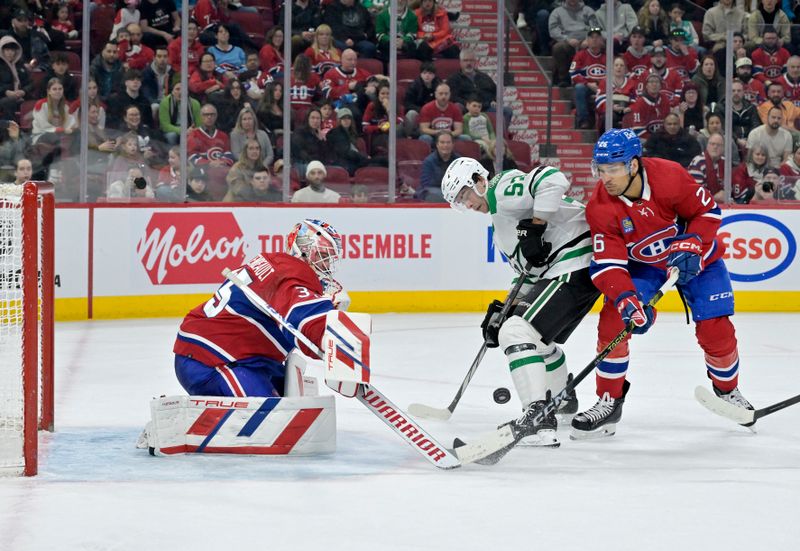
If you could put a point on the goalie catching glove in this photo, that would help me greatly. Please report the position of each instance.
(685, 253)
(531, 243)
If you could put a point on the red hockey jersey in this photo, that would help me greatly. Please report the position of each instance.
(229, 327)
(336, 83)
(791, 89)
(768, 66)
(636, 64)
(671, 85)
(646, 115)
(626, 232)
(588, 67)
(683, 64)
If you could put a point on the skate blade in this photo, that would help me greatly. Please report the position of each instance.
(601, 432)
(543, 439)
(565, 419)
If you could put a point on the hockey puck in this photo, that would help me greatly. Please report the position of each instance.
(501, 395)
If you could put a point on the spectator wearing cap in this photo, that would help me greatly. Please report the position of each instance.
(770, 58)
(776, 99)
(587, 70)
(343, 142)
(672, 142)
(648, 111)
(352, 26)
(671, 82)
(708, 168)
(681, 57)
(754, 89)
(197, 187)
(676, 21)
(131, 95)
(434, 33)
(637, 56)
(35, 53)
(709, 82)
(768, 13)
(106, 69)
(653, 19)
(720, 19)
(791, 80)
(777, 140)
(315, 190)
(434, 166)
(569, 26)
(625, 21)
(744, 114)
(15, 84)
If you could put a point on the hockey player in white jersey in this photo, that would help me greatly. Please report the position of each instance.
(535, 226)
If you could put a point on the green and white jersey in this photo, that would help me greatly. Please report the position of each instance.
(513, 196)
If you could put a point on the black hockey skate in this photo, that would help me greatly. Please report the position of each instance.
(568, 407)
(601, 419)
(528, 433)
(735, 397)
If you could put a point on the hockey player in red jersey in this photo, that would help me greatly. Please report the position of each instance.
(646, 216)
(228, 347)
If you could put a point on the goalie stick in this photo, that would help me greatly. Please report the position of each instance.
(715, 404)
(383, 408)
(429, 412)
(491, 448)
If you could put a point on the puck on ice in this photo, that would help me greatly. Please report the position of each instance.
(501, 395)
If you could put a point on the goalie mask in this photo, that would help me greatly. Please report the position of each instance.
(460, 174)
(318, 244)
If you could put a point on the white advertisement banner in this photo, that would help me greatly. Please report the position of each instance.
(152, 251)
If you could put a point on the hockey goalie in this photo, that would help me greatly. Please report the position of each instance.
(245, 372)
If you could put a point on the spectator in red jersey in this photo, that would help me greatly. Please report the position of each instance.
(767, 13)
(352, 26)
(271, 54)
(749, 174)
(342, 84)
(328, 113)
(791, 80)
(62, 21)
(376, 122)
(169, 178)
(586, 71)
(754, 90)
(205, 80)
(770, 57)
(679, 56)
(207, 145)
(648, 111)
(709, 82)
(434, 32)
(671, 82)
(305, 87)
(195, 49)
(132, 53)
(322, 53)
(708, 168)
(655, 22)
(636, 57)
(672, 142)
(623, 93)
(51, 117)
(568, 25)
(441, 115)
(790, 177)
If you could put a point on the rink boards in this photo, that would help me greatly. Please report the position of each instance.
(117, 261)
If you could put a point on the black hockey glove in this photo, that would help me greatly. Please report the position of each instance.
(533, 247)
(491, 324)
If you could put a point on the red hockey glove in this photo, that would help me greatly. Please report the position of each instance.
(643, 316)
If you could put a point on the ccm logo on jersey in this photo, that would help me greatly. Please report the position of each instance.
(758, 247)
(654, 248)
(190, 247)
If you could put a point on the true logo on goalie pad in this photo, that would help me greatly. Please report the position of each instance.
(256, 426)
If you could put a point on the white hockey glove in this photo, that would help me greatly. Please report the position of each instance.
(345, 346)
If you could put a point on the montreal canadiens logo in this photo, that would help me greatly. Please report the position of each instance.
(653, 248)
(190, 247)
(758, 247)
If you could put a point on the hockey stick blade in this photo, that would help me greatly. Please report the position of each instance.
(488, 449)
(715, 404)
(428, 412)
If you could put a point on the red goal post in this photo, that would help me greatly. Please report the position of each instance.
(26, 322)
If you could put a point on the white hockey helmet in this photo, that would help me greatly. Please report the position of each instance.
(318, 244)
(461, 173)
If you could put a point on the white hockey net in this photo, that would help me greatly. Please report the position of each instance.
(22, 316)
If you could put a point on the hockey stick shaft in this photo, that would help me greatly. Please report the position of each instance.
(426, 411)
(400, 422)
(769, 410)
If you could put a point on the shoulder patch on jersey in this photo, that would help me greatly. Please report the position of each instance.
(627, 225)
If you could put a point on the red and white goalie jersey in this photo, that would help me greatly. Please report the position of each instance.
(626, 232)
(229, 327)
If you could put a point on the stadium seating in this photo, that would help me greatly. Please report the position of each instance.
(467, 149)
(412, 150)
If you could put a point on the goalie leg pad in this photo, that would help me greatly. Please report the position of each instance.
(527, 354)
(251, 426)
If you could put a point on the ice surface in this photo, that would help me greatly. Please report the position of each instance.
(674, 476)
